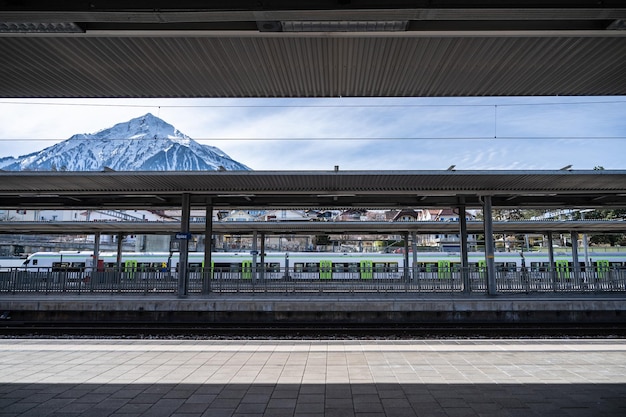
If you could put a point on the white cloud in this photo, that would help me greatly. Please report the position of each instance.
(356, 134)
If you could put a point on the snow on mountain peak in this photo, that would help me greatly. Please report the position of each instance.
(145, 143)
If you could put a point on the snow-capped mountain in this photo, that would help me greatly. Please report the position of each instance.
(145, 143)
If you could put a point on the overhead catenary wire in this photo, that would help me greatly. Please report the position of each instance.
(292, 139)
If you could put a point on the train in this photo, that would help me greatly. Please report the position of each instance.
(318, 265)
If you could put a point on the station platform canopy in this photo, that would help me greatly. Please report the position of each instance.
(286, 48)
(314, 189)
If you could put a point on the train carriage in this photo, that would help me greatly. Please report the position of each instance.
(432, 270)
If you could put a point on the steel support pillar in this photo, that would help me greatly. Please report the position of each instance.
(96, 250)
(551, 261)
(255, 253)
(183, 276)
(463, 248)
(120, 238)
(414, 249)
(262, 255)
(575, 264)
(406, 257)
(207, 271)
(489, 246)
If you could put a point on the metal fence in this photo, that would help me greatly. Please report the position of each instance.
(49, 281)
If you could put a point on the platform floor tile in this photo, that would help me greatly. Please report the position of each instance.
(307, 378)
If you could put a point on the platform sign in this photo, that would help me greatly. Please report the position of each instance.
(183, 236)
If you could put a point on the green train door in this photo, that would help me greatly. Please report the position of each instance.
(443, 269)
(367, 270)
(130, 267)
(482, 267)
(562, 269)
(246, 270)
(211, 271)
(326, 269)
(603, 267)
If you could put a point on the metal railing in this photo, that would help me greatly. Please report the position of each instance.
(414, 280)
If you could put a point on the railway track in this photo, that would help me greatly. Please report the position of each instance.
(309, 331)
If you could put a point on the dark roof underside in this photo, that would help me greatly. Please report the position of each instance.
(314, 189)
(312, 48)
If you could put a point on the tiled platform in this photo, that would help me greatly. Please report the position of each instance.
(312, 378)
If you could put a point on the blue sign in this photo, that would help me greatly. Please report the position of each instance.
(183, 236)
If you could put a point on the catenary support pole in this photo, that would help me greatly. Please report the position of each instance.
(489, 246)
(183, 277)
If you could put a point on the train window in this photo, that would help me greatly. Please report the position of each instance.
(340, 267)
(35, 262)
(195, 267)
(431, 266)
(68, 266)
(306, 267)
(345, 267)
(60, 266)
(145, 266)
(506, 266)
(393, 267)
(227, 267)
(379, 267)
(311, 267)
(270, 266)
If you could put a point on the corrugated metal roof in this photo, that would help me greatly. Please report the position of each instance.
(311, 66)
(180, 50)
(314, 189)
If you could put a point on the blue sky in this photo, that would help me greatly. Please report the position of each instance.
(354, 133)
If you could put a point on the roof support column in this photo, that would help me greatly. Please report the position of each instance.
(96, 249)
(414, 265)
(552, 268)
(255, 252)
(406, 257)
(91, 270)
(262, 261)
(575, 264)
(183, 277)
(207, 274)
(120, 237)
(489, 246)
(463, 247)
